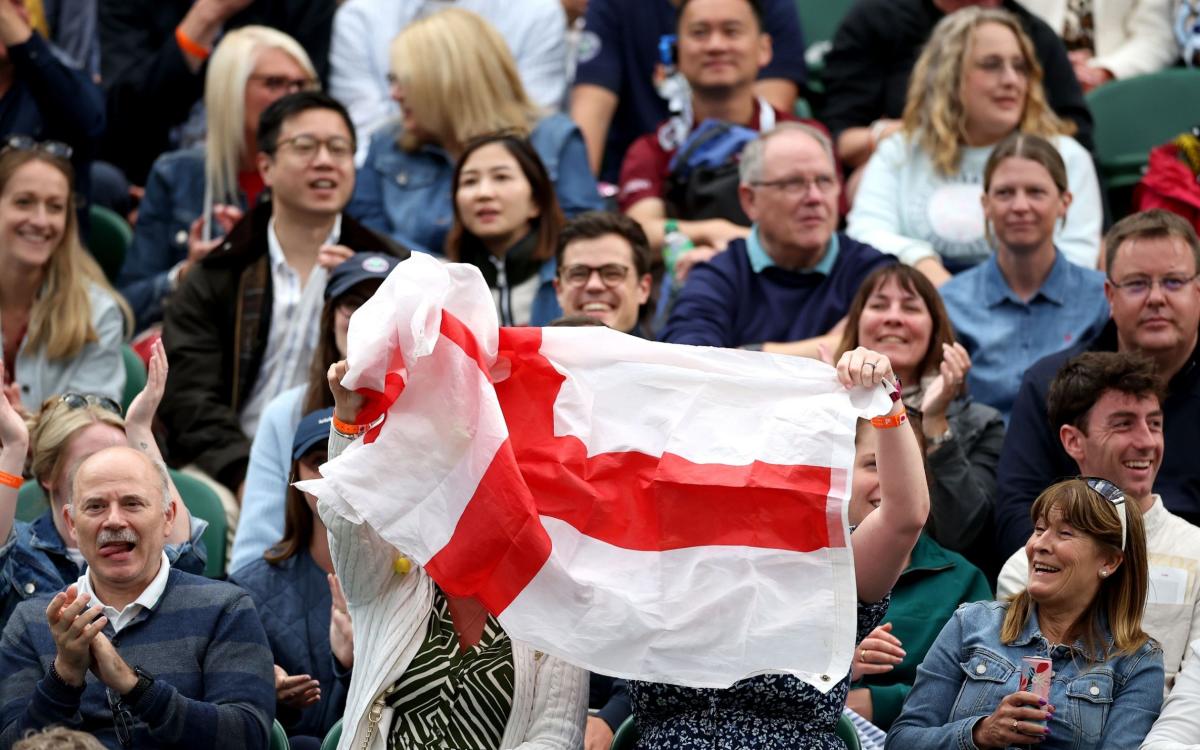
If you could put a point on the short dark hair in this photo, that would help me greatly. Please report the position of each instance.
(1084, 379)
(755, 7)
(272, 119)
(596, 224)
(1153, 224)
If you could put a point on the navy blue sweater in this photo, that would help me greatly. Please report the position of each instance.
(725, 303)
(1033, 458)
(203, 643)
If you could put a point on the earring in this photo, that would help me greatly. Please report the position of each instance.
(1103, 573)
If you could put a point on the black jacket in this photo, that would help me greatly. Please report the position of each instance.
(877, 45)
(215, 330)
(150, 88)
(1033, 458)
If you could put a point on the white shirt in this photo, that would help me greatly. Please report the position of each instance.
(1178, 726)
(295, 328)
(1172, 615)
(146, 600)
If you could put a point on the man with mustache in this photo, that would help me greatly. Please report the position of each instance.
(135, 652)
(1152, 260)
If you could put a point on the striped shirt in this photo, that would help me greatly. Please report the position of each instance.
(450, 698)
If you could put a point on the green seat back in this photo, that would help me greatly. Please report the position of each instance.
(31, 501)
(1136, 114)
(819, 20)
(626, 736)
(202, 502)
(135, 375)
(335, 735)
(847, 733)
(279, 738)
(108, 239)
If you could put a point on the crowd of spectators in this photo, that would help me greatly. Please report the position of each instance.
(917, 205)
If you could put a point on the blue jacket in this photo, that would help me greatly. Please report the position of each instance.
(213, 688)
(292, 599)
(34, 561)
(1099, 705)
(174, 198)
(409, 196)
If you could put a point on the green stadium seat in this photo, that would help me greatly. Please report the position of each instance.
(108, 240)
(335, 735)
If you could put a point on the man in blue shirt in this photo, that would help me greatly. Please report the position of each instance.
(1152, 261)
(1026, 300)
(787, 287)
(615, 98)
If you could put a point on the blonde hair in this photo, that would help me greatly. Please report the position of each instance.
(53, 427)
(1122, 595)
(58, 738)
(458, 74)
(230, 67)
(934, 115)
(61, 318)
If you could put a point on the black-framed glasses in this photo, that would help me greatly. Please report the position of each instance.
(28, 143)
(122, 718)
(1141, 286)
(611, 274)
(306, 146)
(1113, 494)
(82, 400)
(285, 84)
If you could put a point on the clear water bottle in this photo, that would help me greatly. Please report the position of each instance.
(675, 244)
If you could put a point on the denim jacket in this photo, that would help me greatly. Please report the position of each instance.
(408, 196)
(34, 561)
(174, 198)
(1100, 705)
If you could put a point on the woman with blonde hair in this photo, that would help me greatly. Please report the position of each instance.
(977, 81)
(190, 189)
(455, 80)
(63, 325)
(1081, 611)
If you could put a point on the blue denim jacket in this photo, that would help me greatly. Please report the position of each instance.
(408, 195)
(34, 561)
(174, 198)
(1102, 705)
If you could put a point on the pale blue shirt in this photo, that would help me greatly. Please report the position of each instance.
(1005, 335)
(760, 259)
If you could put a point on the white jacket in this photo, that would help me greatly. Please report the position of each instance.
(1172, 615)
(1133, 37)
(1178, 726)
(390, 610)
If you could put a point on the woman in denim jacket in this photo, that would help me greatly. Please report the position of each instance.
(1082, 608)
(455, 80)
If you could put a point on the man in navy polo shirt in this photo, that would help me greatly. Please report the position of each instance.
(787, 287)
(615, 98)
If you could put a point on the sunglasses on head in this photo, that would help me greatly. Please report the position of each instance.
(27, 143)
(1113, 494)
(82, 400)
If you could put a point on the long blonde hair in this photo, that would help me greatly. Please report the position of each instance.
(1122, 595)
(934, 115)
(61, 318)
(458, 74)
(53, 427)
(230, 67)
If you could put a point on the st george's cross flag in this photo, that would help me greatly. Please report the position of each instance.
(644, 510)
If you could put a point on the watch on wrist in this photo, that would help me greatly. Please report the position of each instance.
(145, 680)
(936, 441)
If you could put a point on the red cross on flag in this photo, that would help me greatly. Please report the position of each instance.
(651, 511)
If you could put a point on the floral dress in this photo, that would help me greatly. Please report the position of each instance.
(773, 711)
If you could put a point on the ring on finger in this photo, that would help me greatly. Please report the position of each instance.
(1014, 727)
(869, 364)
(863, 653)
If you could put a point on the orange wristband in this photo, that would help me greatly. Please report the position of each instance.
(889, 421)
(349, 430)
(10, 480)
(187, 45)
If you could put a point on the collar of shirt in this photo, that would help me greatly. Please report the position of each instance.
(760, 259)
(278, 260)
(1054, 289)
(148, 599)
(1154, 518)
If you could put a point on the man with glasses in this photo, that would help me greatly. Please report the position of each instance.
(243, 326)
(137, 653)
(787, 287)
(1105, 408)
(603, 270)
(1152, 260)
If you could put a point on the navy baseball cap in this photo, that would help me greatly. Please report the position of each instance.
(313, 430)
(360, 267)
